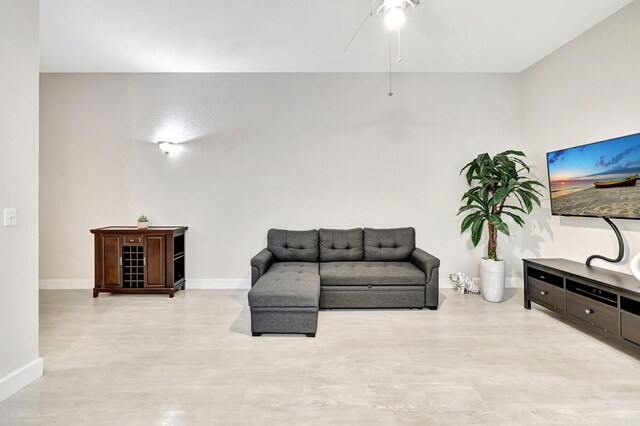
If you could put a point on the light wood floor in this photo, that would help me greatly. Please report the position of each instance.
(151, 360)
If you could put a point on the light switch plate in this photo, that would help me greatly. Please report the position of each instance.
(10, 217)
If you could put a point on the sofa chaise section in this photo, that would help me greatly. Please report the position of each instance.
(285, 292)
(285, 299)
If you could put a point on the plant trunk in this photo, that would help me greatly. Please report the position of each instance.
(493, 242)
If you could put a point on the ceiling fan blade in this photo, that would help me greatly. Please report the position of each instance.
(434, 27)
(369, 15)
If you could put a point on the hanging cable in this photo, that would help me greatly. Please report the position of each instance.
(390, 61)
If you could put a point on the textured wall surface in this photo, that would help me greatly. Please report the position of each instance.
(18, 188)
(294, 151)
(587, 91)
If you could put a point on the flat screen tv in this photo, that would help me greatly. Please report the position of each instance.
(596, 180)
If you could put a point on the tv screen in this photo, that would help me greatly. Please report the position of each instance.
(597, 180)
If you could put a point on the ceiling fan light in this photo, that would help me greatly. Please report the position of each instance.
(394, 18)
(388, 4)
(167, 147)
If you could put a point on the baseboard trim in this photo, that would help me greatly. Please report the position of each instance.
(217, 284)
(70, 284)
(192, 283)
(445, 282)
(513, 283)
(21, 377)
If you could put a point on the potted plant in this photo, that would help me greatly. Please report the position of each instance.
(143, 222)
(499, 187)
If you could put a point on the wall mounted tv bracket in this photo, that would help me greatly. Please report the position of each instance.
(620, 246)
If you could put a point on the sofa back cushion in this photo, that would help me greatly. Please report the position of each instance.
(293, 246)
(389, 244)
(341, 245)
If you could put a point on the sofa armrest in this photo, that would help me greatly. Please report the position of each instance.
(260, 264)
(425, 262)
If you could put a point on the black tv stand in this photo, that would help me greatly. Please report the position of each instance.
(606, 302)
(620, 246)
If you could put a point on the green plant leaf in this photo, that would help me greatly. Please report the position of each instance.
(517, 219)
(503, 161)
(526, 200)
(499, 224)
(476, 231)
(470, 195)
(509, 207)
(467, 207)
(512, 152)
(500, 195)
(472, 169)
(535, 198)
(522, 163)
(468, 221)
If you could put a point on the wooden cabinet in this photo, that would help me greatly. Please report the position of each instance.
(607, 302)
(132, 260)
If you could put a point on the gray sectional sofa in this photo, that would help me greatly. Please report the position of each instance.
(302, 271)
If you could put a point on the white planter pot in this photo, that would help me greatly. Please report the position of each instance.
(143, 225)
(492, 280)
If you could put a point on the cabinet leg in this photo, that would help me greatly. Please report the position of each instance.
(95, 292)
(171, 294)
(184, 286)
(527, 304)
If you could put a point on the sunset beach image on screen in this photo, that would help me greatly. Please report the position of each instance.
(597, 179)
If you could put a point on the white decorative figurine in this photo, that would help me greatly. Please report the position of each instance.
(464, 284)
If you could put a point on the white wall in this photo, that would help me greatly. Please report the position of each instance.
(19, 361)
(294, 151)
(589, 90)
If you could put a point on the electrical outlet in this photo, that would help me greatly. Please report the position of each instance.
(10, 217)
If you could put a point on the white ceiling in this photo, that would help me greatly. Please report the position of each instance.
(305, 35)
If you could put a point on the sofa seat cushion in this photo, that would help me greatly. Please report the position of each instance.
(370, 273)
(287, 284)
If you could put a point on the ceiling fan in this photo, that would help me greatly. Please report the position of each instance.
(393, 13)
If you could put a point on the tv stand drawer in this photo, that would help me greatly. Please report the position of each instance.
(592, 312)
(630, 324)
(630, 319)
(545, 293)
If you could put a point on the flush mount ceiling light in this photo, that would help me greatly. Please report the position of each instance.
(167, 147)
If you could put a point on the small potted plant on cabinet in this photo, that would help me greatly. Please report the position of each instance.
(498, 186)
(143, 222)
